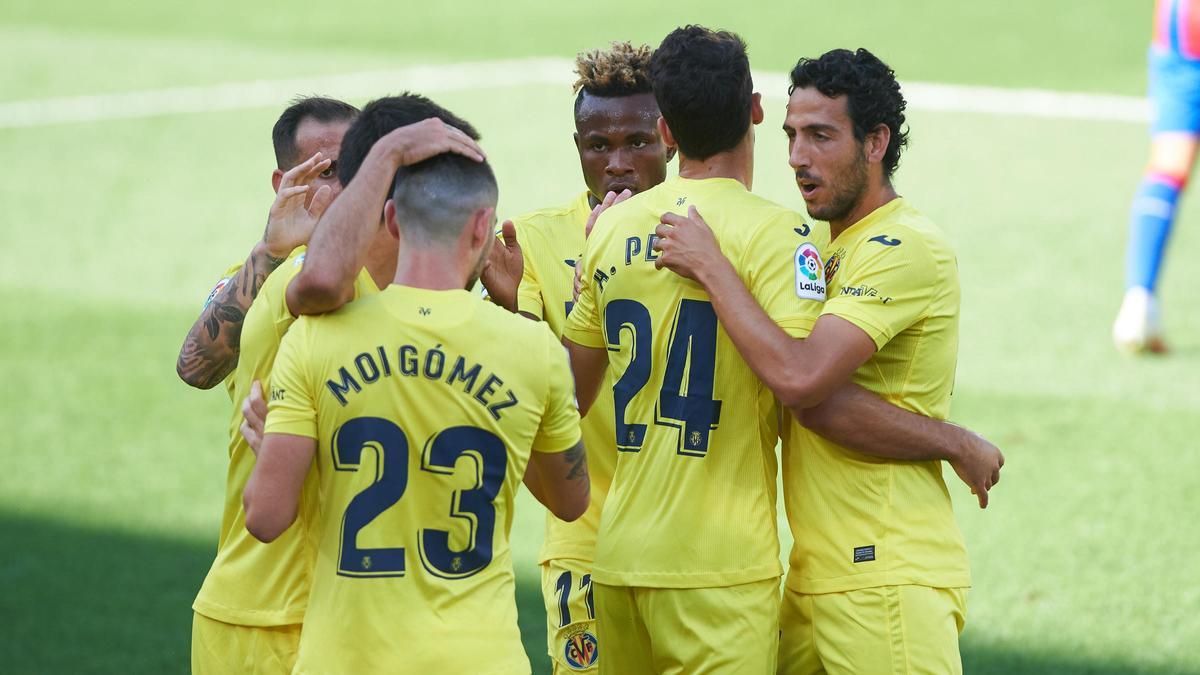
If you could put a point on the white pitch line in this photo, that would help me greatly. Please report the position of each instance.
(517, 72)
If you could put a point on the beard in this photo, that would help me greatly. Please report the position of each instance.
(849, 186)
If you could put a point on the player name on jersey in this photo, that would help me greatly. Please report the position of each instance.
(459, 372)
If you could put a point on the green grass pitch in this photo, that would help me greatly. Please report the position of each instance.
(113, 231)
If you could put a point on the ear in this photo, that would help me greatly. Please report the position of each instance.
(389, 218)
(756, 109)
(483, 227)
(671, 152)
(575, 136)
(276, 177)
(665, 132)
(877, 142)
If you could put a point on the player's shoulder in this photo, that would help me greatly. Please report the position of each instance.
(509, 327)
(276, 283)
(542, 221)
(907, 231)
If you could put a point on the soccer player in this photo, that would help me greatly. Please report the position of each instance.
(306, 138)
(253, 600)
(1174, 64)
(420, 426)
(878, 573)
(616, 136)
(250, 606)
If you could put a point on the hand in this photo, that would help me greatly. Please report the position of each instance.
(610, 199)
(418, 142)
(254, 417)
(505, 264)
(290, 223)
(687, 246)
(977, 462)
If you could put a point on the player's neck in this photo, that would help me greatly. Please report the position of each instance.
(737, 164)
(430, 268)
(381, 265)
(872, 199)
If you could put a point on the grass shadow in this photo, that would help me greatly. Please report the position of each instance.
(84, 600)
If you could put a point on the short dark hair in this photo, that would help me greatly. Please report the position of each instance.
(384, 115)
(622, 70)
(704, 89)
(319, 108)
(872, 94)
(435, 198)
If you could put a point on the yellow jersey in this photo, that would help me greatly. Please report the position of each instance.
(860, 521)
(552, 240)
(692, 502)
(250, 583)
(424, 422)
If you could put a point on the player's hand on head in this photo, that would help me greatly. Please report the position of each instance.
(977, 462)
(254, 416)
(290, 223)
(430, 137)
(505, 266)
(686, 244)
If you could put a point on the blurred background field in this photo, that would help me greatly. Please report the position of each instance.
(112, 232)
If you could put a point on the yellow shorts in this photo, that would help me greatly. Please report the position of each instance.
(689, 631)
(890, 629)
(570, 616)
(219, 648)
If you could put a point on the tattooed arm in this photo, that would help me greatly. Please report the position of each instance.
(210, 351)
(560, 481)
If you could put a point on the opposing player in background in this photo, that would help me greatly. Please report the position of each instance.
(686, 571)
(1174, 68)
(253, 600)
(620, 149)
(878, 571)
(425, 424)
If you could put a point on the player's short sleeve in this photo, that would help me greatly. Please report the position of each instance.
(583, 324)
(559, 429)
(888, 287)
(529, 293)
(291, 398)
(221, 283)
(783, 270)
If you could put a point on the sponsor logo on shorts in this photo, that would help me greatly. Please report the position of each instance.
(581, 650)
(809, 284)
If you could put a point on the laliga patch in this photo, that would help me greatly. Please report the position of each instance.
(810, 273)
(580, 650)
(216, 289)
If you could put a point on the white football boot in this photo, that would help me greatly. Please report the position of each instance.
(1137, 328)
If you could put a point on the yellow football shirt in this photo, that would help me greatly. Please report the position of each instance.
(250, 583)
(552, 240)
(424, 422)
(860, 521)
(692, 502)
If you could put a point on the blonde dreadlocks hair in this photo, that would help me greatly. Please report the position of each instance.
(622, 70)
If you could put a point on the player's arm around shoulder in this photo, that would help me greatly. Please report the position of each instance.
(272, 495)
(557, 473)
